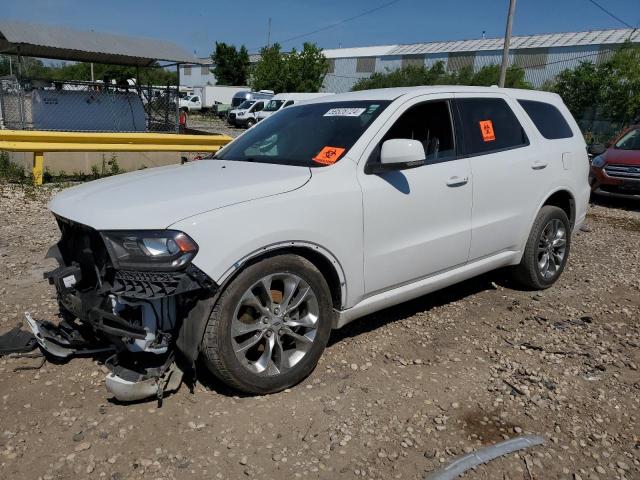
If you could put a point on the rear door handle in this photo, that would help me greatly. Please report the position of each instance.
(538, 165)
(457, 181)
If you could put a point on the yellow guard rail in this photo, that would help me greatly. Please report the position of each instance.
(39, 142)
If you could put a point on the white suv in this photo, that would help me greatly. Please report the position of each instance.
(324, 213)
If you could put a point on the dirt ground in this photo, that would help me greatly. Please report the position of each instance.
(396, 394)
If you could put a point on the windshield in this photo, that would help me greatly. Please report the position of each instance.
(235, 101)
(630, 141)
(273, 105)
(246, 104)
(311, 135)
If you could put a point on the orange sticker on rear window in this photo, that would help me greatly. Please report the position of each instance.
(486, 127)
(329, 155)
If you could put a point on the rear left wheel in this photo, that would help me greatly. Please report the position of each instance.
(547, 249)
(270, 326)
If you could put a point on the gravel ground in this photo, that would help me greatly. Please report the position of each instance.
(396, 394)
(211, 124)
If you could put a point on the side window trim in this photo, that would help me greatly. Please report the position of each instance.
(375, 152)
(465, 145)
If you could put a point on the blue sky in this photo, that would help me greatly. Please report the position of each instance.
(198, 24)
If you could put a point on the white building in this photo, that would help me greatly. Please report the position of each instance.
(201, 75)
(197, 75)
(541, 56)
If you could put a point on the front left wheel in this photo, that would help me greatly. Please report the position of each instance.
(270, 325)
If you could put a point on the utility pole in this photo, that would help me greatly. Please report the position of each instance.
(507, 40)
(92, 79)
(269, 34)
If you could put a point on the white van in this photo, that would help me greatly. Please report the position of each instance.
(283, 100)
(245, 114)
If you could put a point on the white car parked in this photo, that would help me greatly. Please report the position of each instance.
(329, 211)
(245, 114)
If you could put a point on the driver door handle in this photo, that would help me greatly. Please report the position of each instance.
(457, 181)
(538, 165)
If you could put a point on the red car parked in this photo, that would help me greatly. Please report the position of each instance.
(617, 169)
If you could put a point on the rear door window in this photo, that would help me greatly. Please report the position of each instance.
(547, 119)
(489, 125)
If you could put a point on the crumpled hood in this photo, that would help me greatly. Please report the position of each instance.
(155, 198)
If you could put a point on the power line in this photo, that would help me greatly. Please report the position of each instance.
(610, 14)
(333, 25)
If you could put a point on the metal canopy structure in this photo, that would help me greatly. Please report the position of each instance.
(42, 41)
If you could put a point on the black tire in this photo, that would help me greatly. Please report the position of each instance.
(217, 346)
(528, 273)
(250, 123)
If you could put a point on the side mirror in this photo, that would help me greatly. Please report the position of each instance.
(398, 154)
(596, 149)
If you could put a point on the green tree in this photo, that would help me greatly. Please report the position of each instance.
(415, 75)
(65, 71)
(306, 69)
(293, 71)
(231, 66)
(580, 88)
(608, 91)
(622, 87)
(490, 75)
(409, 76)
(270, 72)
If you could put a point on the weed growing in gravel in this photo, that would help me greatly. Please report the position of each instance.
(9, 171)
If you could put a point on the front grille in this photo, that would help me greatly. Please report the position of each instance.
(83, 246)
(623, 171)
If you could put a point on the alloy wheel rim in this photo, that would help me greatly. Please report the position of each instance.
(275, 324)
(552, 247)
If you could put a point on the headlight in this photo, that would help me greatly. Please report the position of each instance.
(598, 161)
(149, 249)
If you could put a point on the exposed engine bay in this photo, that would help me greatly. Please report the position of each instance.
(112, 298)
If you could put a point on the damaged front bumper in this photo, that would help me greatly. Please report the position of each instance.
(140, 315)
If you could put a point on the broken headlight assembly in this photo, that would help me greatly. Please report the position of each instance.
(157, 250)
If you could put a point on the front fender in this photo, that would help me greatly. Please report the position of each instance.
(326, 218)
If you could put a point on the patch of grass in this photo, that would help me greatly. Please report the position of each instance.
(10, 172)
(13, 173)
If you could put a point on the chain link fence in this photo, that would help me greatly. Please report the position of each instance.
(32, 104)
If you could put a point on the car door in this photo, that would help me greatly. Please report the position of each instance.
(255, 108)
(417, 222)
(507, 171)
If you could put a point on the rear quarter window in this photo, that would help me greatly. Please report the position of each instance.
(489, 125)
(547, 119)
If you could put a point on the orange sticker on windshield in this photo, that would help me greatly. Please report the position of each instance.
(329, 155)
(486, 127)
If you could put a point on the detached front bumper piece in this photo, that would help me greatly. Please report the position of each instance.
(136, 382)
(64, 340)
